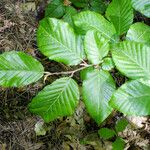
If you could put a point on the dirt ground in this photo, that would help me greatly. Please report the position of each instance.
(18, 23)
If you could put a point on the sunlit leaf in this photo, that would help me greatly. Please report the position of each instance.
(96, 46)
(56, 100)
(139, 32)
(88, 20)
(98, 88)
(132, 59)
(133, 98)
(57, 40)
(18, 69)
(120, 13)
(143, 6)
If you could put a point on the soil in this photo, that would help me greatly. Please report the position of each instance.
(18, 23)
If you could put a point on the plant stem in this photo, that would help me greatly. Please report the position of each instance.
(65, 73)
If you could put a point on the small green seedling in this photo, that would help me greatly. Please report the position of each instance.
(107, 133)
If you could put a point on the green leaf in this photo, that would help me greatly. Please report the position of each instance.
(80, 3)
(98, 6)
(97, 91)
(119, 144)
(143, 6)
(96, 46)
(120, 13)
(132, 59)
(106, 133)
(139, 32)
(94, 5)
(57, 40)
(88, 20)
(108, 64)
(19, 69)
(55, 9)
(56, 100)
(70, 11)
(121, 125)
(133, 98)
(86, 73)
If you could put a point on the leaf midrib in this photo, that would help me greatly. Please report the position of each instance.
(96, 28)
(133, 60)
(97, 77)
(142, 34)
(73, 52)
(57, 99)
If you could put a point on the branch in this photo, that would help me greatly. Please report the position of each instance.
(65, 73)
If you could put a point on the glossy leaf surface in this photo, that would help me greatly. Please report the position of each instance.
(108, 64)
(120, 13)
(133, 98)
(88, 20)
(57, 40)
(56, 100)
(143, 6)
(139, 32)
(96, 46)
(132, 59)
(98, 88)
(19, 69)
(86, 73)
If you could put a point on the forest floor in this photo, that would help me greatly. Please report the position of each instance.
(18, 24)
